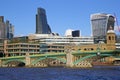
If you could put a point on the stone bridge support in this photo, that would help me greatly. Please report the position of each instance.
(0, 63)
(27, 58)
(70, 58)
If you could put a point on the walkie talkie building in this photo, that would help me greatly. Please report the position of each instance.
(100, 25)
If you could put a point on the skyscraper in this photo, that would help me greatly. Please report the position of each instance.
(1, 19)
(42, 26)
(2, 28)
(100, 25)
(10, 30)
(6, 29)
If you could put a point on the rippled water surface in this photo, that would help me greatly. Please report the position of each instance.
(96, 73)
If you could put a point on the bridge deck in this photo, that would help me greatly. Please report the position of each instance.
(64, 54)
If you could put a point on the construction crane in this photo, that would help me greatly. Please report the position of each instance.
(118, 28)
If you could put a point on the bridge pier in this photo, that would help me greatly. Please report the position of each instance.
(69, 57)
(27, 58)
(0, 63)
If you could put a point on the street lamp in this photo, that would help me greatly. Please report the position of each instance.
(98, 49)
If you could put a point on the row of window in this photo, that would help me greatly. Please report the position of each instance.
(45, 50)
(24, 50)
(33, 46)
(111, 38)
(89, 49)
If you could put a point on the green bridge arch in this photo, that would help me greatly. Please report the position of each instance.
(14, 60)
(89, 56)
(43, 58)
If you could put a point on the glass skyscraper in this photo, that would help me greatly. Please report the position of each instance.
(6, 29)
(10, 30)
(2, 28)
(42, 26)
(100, 24)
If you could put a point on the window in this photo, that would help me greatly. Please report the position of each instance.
(112, 37)
(109, 37)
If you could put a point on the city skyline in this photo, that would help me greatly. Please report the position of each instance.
(61, 15)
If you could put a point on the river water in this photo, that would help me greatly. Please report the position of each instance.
(60, 73)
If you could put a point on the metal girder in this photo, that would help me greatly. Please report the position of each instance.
(49, 55)
(15, 57)
(89, 56)
(94, 52)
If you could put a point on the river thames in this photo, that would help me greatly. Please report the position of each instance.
(60, 73)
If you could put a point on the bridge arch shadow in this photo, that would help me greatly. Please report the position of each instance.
(43, 58)
(16, 62)
(116, 62)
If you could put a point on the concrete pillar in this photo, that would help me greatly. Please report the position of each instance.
(69, 57)
(5, 51)
(27, 60)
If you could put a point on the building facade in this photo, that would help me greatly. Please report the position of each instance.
(52, 48)
(110, 45)
(42, 26)
(50, 39)
(19, 46)
(100, 24)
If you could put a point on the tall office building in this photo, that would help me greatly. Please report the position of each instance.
(10, 30)
(1, 19)
(2, 28)
(100, 25)
(6, 29)
(42, 26)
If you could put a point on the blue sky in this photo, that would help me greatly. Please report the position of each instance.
(61, 14)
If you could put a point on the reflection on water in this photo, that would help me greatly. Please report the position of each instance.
(96, 73)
